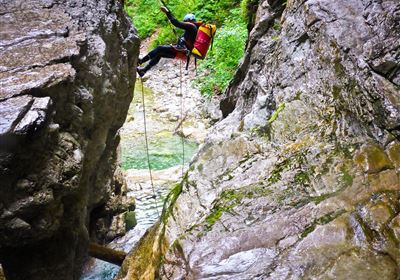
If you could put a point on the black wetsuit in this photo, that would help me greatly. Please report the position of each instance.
(185, 42)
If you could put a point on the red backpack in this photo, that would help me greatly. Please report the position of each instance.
(204, 38)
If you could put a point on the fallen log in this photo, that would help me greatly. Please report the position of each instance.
(106, 254)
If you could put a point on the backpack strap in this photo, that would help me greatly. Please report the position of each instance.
(212, 37)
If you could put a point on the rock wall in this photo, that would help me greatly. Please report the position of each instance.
(67, 78)
(300, 180)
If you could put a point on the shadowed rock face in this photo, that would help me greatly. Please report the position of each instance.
(301, 179)
(67, 77)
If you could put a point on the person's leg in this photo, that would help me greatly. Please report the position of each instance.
(154, 56)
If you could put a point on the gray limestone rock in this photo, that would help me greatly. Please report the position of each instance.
(300, 180)
(67, 73)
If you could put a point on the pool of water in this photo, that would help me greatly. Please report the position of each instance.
(165, 150)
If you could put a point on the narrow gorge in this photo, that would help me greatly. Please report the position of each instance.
(299, 177)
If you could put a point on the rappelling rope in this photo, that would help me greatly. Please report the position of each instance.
(181, 133)
(147, 150)
(162, 3)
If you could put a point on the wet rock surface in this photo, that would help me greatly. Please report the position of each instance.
(301, 178)
(67, 77)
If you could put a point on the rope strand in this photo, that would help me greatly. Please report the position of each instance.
(147, 149)
(181, 133)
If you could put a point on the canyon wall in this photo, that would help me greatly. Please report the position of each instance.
(67, 72)
(300, 180)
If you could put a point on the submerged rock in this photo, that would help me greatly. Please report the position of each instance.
(67, 77)
(300, 180)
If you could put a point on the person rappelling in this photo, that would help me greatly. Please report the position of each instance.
(195, 41)
(185, 42)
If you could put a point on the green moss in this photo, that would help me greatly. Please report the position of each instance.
(286, 195)
(346, 178)
(200, 167)
(308, 230)
(368, 233)
(336, 90)
(275, 38)
(276, 173)
(302, 178)
(177, 247)
(298, 95)
(322, 221)
(262, 131)
(241, 126)
(372, 159)
(298, 160)
(320, 198)
(130, 220)
(277, 26)
(145, 258)
(215, 216)
(339, 69)
(171, 199)
(249, 8)
(232, 198)
(394, 153)
(276, 113)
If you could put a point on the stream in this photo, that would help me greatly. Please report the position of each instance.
(163, 104)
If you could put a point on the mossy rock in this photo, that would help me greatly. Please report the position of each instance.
(395, 226)
(130, 220)
(394, 153)
(372, 159)
(2, 277)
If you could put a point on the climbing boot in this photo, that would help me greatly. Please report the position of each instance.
(143, 59)
(141, 71)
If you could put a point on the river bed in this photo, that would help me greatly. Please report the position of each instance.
(171, 148)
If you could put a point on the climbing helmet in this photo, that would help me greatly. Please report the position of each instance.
(189, 17)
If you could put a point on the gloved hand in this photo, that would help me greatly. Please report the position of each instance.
(164, 10)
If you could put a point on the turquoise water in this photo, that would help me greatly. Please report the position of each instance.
(164, 151)
(102, 271)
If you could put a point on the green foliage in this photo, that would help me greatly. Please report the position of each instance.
(248, 8)
(216, 11)
(145, 14)
(220, 65)
(218, 68)
(275, 115)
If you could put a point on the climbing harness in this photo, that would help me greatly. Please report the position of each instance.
(147, 149)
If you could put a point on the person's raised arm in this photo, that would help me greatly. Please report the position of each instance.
(175, 22)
